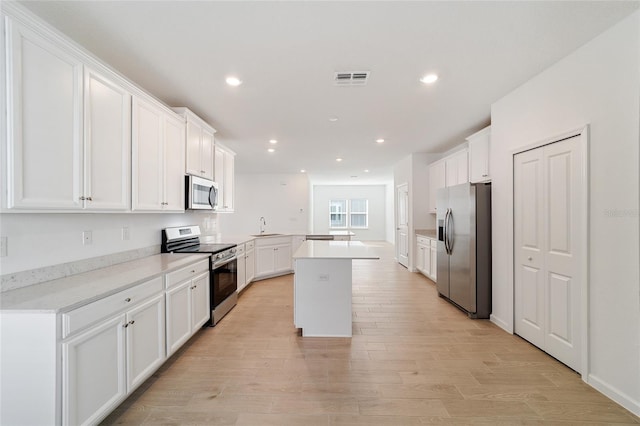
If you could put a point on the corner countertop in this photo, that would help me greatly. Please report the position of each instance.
(71, 292)
(431, 233)
(335, 250)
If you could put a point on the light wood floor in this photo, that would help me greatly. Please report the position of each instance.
(413, 359)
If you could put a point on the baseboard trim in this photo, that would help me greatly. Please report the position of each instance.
(612, 393)
(500, 323)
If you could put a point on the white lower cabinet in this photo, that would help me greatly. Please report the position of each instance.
(426, 256)
(103, 364)
(187, 303)
(273, 256)
(96, 356)
(242, 267)
(250, 261)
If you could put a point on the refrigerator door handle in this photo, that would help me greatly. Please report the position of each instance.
(450, 231)
(446, 231)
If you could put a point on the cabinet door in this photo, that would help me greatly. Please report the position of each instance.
(265, 261)
(200, 313)
(437, 180)
(93, 372)
(147, 148)
(178, 311)
(145, 340)
(229, 164)
(44, 123)
(250, 265)
(462, 160)
(219, 175)
(426, 253)
(174, 136)
(479, 158)
(107, 124)
(434, 260)
(283, 259)
(242, 270)
(193, 146)
(420, 257)
(206, 154)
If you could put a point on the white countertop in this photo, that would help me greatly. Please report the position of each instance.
(335, 250)
(71, 292)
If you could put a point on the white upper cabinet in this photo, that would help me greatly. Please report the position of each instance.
(479, 144)
(158, 158)
(199, 145)
(107, 128)
(69, 139)
(44, 123)
(457, 168)
(224, 176)
(437, 179)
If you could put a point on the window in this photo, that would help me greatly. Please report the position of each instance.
(345, 214)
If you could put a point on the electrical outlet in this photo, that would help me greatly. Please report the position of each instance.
(3, 246)
(87, 238)
(125, 233)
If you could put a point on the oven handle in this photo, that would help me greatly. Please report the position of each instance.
(224, 262)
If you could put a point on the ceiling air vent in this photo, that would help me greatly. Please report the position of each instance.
(351, 78)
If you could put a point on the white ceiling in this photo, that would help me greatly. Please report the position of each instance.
(286, 53)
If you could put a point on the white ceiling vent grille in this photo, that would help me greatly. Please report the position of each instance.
(351, 78)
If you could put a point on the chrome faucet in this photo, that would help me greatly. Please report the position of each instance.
(263, 223)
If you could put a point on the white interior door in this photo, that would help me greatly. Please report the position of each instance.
(402, 228)
(548, 238)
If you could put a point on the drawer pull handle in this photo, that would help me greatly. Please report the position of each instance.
(132, 321)
(193, 271)
(128, 299)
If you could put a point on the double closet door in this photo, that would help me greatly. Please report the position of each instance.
(549, 249)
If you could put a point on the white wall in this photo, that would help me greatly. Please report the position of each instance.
(376, 194)
(37, 240)
(390, 213)
(283, 200)
(598, 85)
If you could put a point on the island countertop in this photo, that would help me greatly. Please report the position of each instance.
(335, 250)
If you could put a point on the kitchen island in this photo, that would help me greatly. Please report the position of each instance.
(322, 286)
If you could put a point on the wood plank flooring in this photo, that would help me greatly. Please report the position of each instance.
(414, 359)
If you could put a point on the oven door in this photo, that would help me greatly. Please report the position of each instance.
(224, 281)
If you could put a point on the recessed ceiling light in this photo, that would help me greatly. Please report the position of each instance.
(380, 140)
(233, 81)
(273, 141)
(338, 159)
(303, 171)
(271, 150)
(332, 119)
(429, 78)
(366, 170)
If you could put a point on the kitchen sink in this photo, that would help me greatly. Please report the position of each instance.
(264, 235)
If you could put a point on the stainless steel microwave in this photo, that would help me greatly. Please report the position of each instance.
(200, 194)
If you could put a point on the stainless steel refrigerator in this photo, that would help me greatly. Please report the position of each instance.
(464, 247)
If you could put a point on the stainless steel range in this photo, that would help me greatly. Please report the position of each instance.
(223, 266)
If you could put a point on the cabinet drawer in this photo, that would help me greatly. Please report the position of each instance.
(186, 273)
(423, 240)
(89, 314)
(239, 249)
(249, 245)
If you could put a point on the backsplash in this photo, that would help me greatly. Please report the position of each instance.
(34, 276)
